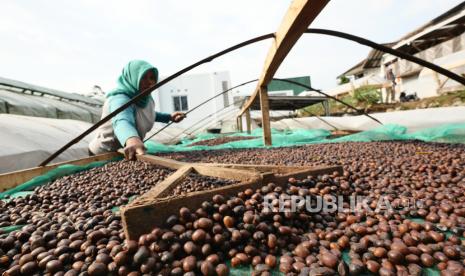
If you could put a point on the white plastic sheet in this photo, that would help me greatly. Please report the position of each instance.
(26, 141)
(414, 120)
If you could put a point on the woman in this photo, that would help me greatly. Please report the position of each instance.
(129, 127)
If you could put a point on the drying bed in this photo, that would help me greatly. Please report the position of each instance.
(221, 140)
(227, 230)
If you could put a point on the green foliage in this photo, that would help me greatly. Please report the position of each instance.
(461, 95)
(361, 98)
(367, 95)
(344, 79)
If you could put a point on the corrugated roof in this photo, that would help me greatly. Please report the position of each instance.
(375, 57)
(442, 28)
(48, 91)
(373, 60)
(288, 102)
(15, 102)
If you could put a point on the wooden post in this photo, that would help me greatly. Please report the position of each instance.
(248, 121)
(265, 107)
(298, 17)
(326, 107)
(240, 124)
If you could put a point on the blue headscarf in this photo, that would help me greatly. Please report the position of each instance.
(128, 82)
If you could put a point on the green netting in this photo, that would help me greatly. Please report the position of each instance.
(280, 139)
(247, 270)
(450, 133)
(383, 133)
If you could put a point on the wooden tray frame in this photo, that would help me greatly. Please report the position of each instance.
(12, 179)
(154, 207)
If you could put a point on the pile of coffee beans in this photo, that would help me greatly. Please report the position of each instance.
(405, 173)
(70, 223)
(80, 235)
(196, 182)
(221, 140)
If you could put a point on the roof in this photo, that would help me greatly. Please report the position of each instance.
(442, 28)
(354, 70)
(16, 102)
(373, 60)
(288, 102)
(277, 85)
(48, 91)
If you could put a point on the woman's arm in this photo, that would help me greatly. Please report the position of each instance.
(124, 127)
(124, 123)
(162, 117)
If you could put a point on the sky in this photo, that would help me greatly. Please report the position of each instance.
(74, 45)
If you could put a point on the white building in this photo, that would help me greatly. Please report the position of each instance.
(187, 91)
(440, 41)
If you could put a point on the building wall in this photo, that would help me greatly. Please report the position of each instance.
(373, 78)
(413, 78)
(426, 83)
(429, 83)
(197, 88)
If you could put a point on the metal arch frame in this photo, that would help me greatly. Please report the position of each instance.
(382, 48)
(201, 104)
(358, 39)
(148, 91)
(391, 51)
(264, 94)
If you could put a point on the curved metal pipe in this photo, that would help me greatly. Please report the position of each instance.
(331, 97)
(201, 104)
(358, 39)
(148, 91)
(391, 51)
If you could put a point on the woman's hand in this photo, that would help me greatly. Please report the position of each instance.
(177, 117)
(134, 146)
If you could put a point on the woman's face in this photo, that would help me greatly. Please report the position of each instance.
(148, 80)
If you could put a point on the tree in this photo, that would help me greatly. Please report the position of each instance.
(344, 79)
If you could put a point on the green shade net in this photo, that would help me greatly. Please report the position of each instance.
(450, 133)
(280, 139)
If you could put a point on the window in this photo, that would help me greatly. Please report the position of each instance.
(180, 103)
(225, 87)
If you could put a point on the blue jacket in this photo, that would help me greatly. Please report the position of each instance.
(124, 124)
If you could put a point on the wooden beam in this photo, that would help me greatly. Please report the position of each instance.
(13, 179)
(240, 123)
(298, 17)
(265, 107)
(276, 169)
(164, 162)
(141, 216)
(163, 188)
(223, 172)
(248, 121)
